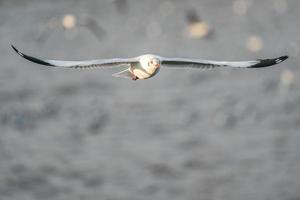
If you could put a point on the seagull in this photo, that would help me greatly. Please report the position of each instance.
(148, 65)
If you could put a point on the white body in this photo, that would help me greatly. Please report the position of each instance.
(142, 70)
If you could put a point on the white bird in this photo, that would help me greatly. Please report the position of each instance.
(146, 66)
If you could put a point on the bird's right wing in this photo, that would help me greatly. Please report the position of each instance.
(101, 63)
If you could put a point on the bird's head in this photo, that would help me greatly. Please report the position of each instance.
(154, 62)
(150, 61)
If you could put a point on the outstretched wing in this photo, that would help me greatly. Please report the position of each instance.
(115, 62)
(195, 63)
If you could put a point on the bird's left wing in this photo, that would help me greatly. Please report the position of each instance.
(196, 63)
(103, 63)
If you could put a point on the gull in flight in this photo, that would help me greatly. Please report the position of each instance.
(146, 66)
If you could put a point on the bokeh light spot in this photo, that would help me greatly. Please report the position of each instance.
(69, 21)
(198, 30)
(254, 43)
(287, 78)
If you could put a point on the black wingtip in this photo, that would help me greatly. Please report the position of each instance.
(30, 58)
(16, 50)
(269, 62)
(283, 58)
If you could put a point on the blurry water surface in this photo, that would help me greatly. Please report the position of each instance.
(217, 134)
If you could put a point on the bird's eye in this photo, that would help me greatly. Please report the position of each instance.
(150, 63)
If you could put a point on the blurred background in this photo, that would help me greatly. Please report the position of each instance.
(225, 134)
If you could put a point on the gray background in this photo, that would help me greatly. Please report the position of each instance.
(198, 135)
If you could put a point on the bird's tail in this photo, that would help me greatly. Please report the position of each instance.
(124, 74)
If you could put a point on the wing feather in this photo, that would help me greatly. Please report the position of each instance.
(196, 63)
(115, 62)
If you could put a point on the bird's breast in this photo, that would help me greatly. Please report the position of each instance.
(143, 73)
